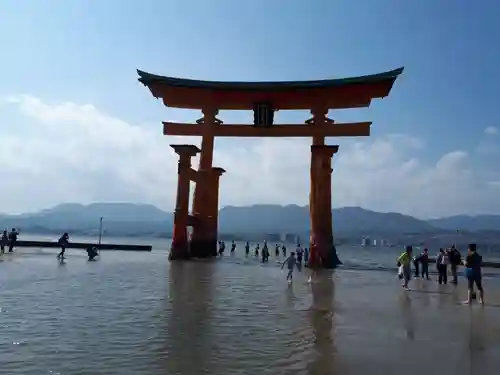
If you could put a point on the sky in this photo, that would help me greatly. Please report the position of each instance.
(77, 126)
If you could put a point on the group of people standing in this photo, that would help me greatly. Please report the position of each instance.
(302, 254)
(296, 259)
(447, 259)
(9, 240)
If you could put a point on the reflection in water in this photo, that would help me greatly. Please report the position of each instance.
(476, 332)
(321, 317)
(135, 314)
(189, 292)
(290, 296)
(407, 315)
(426, 295)
(442, 300)
(455, 295)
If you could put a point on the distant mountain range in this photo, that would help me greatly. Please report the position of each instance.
(127, 219)
(470, 223)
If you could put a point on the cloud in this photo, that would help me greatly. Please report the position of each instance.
(67, 152)
(491, 130)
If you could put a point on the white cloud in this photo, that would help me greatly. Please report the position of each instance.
(491, 130)
(65, 152)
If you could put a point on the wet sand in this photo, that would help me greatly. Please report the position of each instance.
(135, 314)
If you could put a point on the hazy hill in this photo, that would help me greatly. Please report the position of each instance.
(470, 223)
(118, 219)
(295, 219)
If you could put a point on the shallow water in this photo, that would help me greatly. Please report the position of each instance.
(133, 313)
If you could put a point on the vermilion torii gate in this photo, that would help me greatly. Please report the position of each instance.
(264, 98)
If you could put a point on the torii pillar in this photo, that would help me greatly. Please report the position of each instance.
(213, 211)
(180, 241)
(323, 253)
(204, 237)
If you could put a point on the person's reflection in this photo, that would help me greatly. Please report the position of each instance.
(407, 316)
(322, 314)
(425, 295)
(290, 296)
(483, 337)
(455, 296)
(476, 332)
(442, 298)
(187, 309)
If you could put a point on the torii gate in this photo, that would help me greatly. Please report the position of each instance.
(264, 98)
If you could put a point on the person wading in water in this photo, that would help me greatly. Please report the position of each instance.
(63, 242)
(4, 242)
(13, 239)
(299, 253)
(291, 263)
(442, 261)
(424, 261)
(455, 261)
(92, 252)
(473, 273)
(405, 260)
(247, 249)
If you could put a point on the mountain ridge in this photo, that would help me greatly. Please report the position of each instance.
(146, 219)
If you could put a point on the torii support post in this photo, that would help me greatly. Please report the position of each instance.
(204, 238)
(323, 252)
(213, 211)
(180, 241)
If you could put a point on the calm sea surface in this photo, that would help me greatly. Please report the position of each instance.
(136, 313)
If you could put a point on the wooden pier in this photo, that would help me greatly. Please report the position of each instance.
(84, 245)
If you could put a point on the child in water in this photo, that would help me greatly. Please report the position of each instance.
(291, 262)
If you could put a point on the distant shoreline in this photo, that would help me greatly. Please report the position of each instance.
(415, 239)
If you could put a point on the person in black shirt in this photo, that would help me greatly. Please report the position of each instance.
(4, 241)
(92, 252)
(416, 264)
(247, 249)
(13, 239)
(455, 261)
(473, 273)
(63, 242)
(424, 261)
